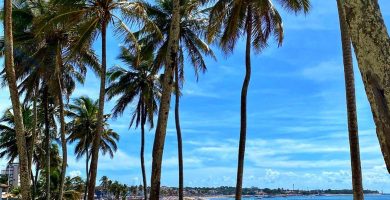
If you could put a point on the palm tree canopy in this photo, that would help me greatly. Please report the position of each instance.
(90, 15)
(136, 82)
(36, 44)
(193, 24)
(229, 18)
(83, 127)
(8, 134)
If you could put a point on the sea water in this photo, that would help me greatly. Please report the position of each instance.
(333, 197)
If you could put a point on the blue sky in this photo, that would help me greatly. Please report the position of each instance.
(297, 130)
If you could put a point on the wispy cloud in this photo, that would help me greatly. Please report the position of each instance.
(324, 71)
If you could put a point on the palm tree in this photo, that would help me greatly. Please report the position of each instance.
(19, 31)
(139, 83)
(167, 84)
(83, 128)
(47, 63)
(191, 25)
(83, 113)
(258, 20)
(8, 147)
(351, 105)
(95, 16)
(67, 67)
(104, 183)
(73, 188)
(11, 78)
(372, 52)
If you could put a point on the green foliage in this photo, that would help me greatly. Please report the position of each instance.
(228, 21)
(83, 126)
(16, 191)
(138, 83)
(193, 25)
(3, 179)
(73, 188)
(8, 147)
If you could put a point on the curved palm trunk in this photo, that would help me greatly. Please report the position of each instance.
(371, 43)
(96, 141)
(64, 147)
(62, 122)
(159, 138)
(351, 106)
(178, 132)
(19, 127)
(142, 158)
(47, 138)
(244, 92)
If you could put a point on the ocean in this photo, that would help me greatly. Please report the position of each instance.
(335, 197)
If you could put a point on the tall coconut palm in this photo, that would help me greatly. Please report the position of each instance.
(191, 27)
(21, 21)
(8, 140)
(8, 147)
(95, 16)
(23, 18)
(108, 145)
(229, 19)
(11, 78)
(83, 128)
(140, 84)
(351, 105)
(83, 113)
(67, 67)
(167, 84)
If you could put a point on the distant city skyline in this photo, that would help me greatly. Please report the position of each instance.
(297, 122)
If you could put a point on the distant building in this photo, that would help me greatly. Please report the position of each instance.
(12, 172)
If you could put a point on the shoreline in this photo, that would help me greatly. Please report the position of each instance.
(253, 196)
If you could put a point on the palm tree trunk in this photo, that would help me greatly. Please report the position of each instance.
(159, 138)
(351, 106)
(31, 146)
(34, 131)
(96, 141)
(62, 122)
(11, 78)
(47, 137)
(244, 92)
(86, 169)
(142, 157)
(371, 43)
(64, 146)
(178, 133)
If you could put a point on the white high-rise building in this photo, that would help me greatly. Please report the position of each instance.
(12, 172)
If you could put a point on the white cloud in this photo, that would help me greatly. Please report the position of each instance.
(190, 162)
(324, 71)
(74, 173)
(121, 161)
(193, 89)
